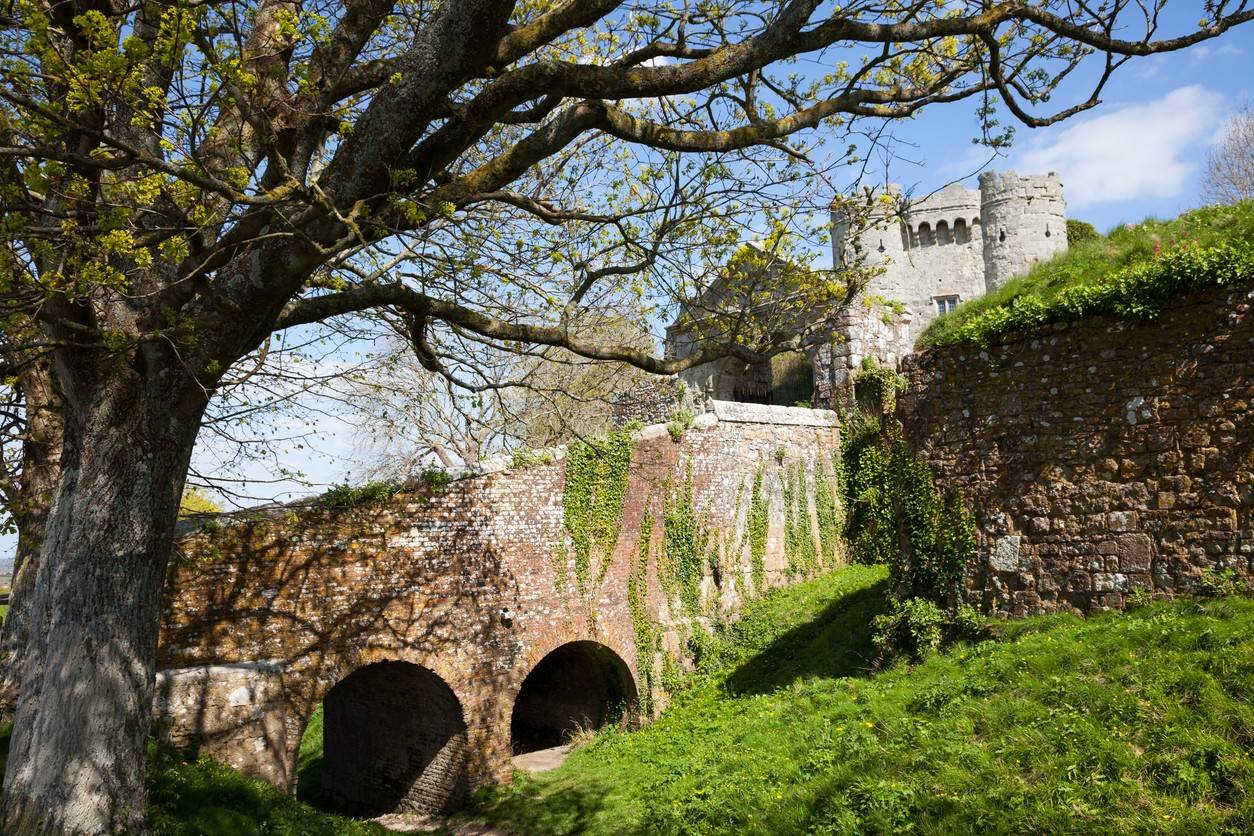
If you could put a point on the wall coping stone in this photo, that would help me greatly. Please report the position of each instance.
(784, 416)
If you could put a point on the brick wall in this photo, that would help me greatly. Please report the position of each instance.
(1099, 457)
(460, 581)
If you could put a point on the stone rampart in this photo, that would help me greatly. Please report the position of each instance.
(1099, 457)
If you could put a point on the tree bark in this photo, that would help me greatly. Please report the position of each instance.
(76, 762)
(41, 468)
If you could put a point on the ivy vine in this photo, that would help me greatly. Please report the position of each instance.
(592, 502)
(646, 632)
(758, 524)
(686, 540)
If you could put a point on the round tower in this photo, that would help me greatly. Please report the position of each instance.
(883, 240)
(1023, 220)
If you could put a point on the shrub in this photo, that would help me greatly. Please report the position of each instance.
(1080, 231)
(914, 627)
(680, 422)
(351, 496)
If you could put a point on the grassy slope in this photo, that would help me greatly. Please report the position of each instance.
(1141, 722)
(1091, 262)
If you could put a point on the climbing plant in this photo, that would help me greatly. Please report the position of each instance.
(645, 631)
(758, 523)
(827, 511)
(686, 540)
(592, 502)
(897, 516)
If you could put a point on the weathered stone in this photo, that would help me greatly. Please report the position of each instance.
(1123, 458)
(446, 600)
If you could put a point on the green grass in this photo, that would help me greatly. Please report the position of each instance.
(1068, 287)
(1124, 723)
(205, 798)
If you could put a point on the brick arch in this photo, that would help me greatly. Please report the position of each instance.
(578, 685)
(394, 740)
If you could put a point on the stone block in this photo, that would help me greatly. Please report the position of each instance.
(1136, 552)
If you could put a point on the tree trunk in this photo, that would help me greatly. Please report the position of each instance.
(76, 763)
(41, 469)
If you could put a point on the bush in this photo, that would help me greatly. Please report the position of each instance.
(351, 496)
(1080, 231)
(681, 421)
(914, 627)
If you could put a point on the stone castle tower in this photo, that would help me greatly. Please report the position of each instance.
(959, 243)
(950, 247)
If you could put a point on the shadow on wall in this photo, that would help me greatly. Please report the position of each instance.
(328, 607)
(579, 686)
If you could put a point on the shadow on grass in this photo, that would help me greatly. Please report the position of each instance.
(533, 807)
(837, 643)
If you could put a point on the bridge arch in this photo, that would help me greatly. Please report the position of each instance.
(394, 740)
(579, 685)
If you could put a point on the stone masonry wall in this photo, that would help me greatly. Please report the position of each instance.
(1099, 457)
(461, 581)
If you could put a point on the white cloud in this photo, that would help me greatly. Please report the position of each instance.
(1132, 152)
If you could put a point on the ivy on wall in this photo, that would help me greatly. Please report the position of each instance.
(686, 541)
(592, 502)
(897, 516)
(645, 631)
(799, 549)
(827, 511)
(758, 524)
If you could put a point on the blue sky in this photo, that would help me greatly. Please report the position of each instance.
(1139, 154)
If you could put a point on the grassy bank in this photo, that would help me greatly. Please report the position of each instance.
(1132, 272)
(1138, 722)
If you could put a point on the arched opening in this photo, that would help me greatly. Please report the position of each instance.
(961, 234)
(925, 235)
(393, 740)
(905, 236)
(942, 233)
(579, 686)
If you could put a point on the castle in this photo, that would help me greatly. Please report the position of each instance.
(950, 247)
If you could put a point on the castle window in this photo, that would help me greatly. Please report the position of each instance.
(942, 233)
(945, 304)
(905, 236)
(961, 234)
(925, 235)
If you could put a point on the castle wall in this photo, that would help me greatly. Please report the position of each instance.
(1099, 457)
(865, 331)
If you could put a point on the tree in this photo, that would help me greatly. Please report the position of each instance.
(182, 180)
(1230, 164)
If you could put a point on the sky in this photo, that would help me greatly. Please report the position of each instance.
(1139, 154)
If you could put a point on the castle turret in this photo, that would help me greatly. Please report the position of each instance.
(1024, 221)
(882, 240)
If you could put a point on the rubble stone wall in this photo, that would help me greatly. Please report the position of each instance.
(1099, 457)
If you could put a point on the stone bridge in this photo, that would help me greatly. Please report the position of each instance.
(451, 627)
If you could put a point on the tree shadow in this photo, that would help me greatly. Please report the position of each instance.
(837, 643)
(570, 809)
